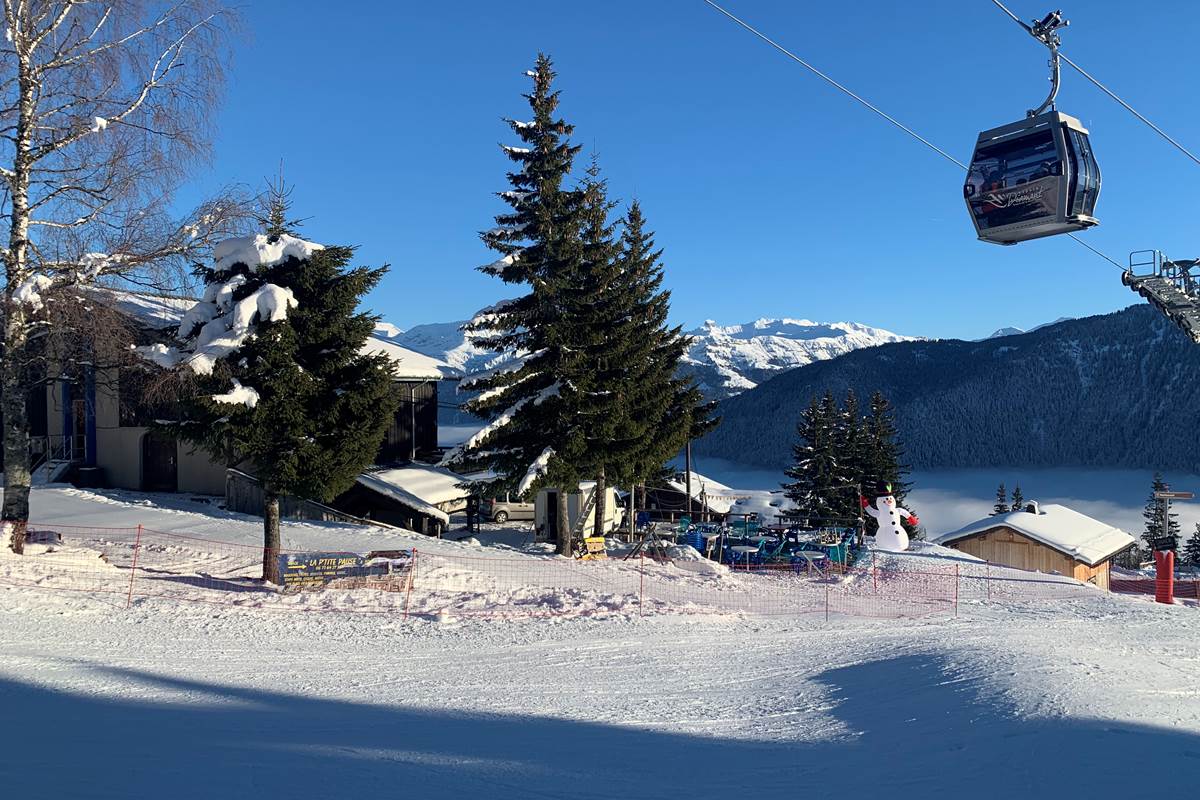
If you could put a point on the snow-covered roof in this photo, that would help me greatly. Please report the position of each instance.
(152, 311)
(419, 486)
(409, 364)
(1077, 535)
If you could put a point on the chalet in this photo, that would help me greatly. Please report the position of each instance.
(1047, 538)
(98, 428)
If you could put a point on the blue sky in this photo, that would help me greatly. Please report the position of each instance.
(772, 194)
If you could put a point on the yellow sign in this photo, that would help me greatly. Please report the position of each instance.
(593, 548)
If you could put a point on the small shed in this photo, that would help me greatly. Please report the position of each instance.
(545, 511)
(1048, 538)
(419, 497)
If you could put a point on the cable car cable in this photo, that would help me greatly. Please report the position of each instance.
(839, 86)
(881, 113)
(1104, 88)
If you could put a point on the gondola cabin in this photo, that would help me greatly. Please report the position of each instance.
(1033, 178)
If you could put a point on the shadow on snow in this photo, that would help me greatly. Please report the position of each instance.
(909, 729)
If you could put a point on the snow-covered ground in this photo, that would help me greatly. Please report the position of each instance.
(1008, 699)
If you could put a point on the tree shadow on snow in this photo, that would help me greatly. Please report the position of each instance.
(910, 732)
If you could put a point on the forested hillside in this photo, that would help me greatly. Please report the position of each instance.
(1118, 390)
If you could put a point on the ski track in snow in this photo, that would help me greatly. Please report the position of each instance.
(190, 700)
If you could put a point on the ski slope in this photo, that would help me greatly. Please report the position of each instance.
(194, 700)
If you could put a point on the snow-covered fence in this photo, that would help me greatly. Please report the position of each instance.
(132, 564)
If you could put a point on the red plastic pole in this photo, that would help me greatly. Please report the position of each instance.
(137, 546)
(1164, 576)
(412, 577)
(827, 602)
(874, 579)
(989, 580)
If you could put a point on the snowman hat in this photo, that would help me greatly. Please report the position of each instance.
(883, 488)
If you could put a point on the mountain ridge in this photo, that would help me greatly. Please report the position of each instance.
(1112, 390)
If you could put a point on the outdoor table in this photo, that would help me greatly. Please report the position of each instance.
(744, 551)
(809, 557)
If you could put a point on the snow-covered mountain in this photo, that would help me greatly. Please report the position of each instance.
(1009, 331)
(729, 359)
(726, 359)
(449, 342)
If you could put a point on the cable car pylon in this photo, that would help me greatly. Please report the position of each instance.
(1173, 287)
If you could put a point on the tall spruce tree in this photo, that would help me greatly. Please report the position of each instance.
(1018, 499)
(1001, 504)
(644, 410)
(307, 409)
(1153, 515)
(531, 439)
(886, 456)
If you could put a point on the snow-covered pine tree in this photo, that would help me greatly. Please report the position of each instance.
(1191, 550)
(539, 244)
(280, 379)
(1018, 499)
(885, 460)
(1153, 513)
(1001, 504)
(817, 474)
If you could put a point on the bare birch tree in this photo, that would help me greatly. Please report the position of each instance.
(104, 109)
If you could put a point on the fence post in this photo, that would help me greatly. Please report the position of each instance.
(641, 582)
(956, 590)
(827, 602)
(874, 578)
(989, 581)
(412, 578)
(137, 546)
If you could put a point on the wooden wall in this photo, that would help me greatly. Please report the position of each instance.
(1003, 545)
(416, 417)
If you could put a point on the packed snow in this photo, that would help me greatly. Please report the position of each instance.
(989, 704)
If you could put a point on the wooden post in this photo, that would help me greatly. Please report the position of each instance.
(137, 546)
(641, 582)
(412, 577)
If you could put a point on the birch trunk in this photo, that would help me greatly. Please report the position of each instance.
(13, 392)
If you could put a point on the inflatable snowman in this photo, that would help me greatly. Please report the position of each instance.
(891, 535)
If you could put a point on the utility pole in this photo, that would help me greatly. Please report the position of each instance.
(687, 475)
